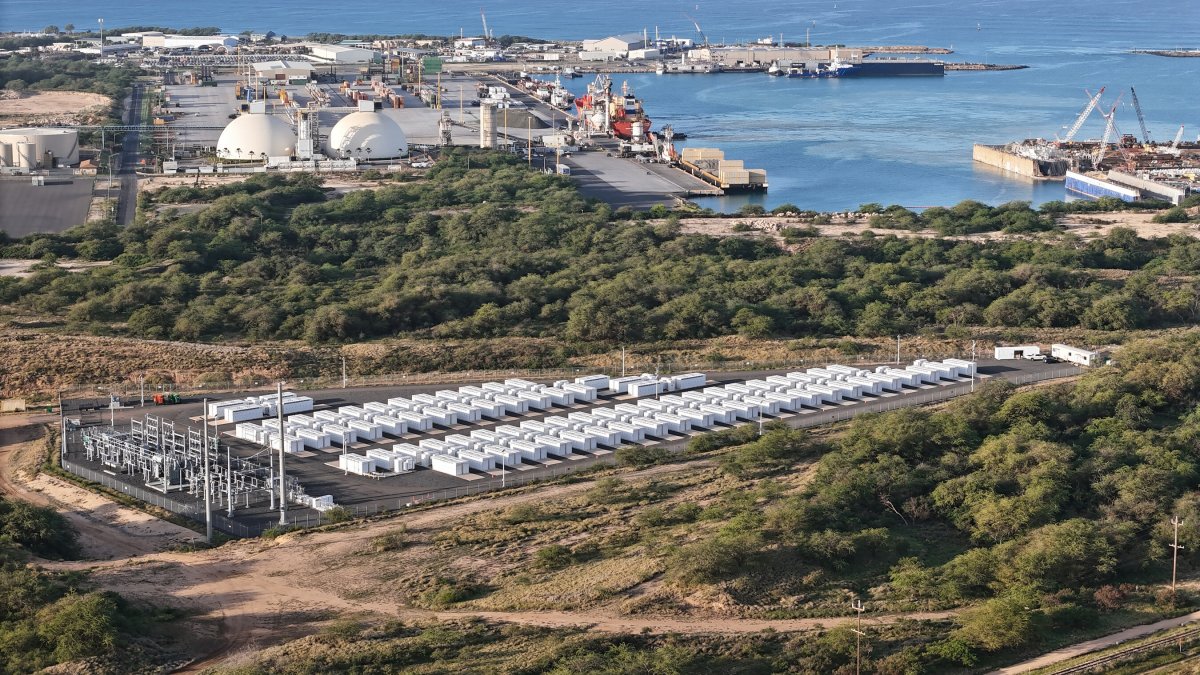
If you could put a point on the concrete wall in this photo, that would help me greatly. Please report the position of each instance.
(997, 157)
(1151, 188)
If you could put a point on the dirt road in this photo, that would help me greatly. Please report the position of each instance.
(1072, 651)
(107, 530)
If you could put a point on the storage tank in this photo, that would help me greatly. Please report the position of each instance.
(31, 144)
(367, 135)
(26, 156)
(6, 156)
(487, 125)
(256, 136)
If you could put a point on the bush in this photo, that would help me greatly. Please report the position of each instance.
(276, 531)
(80, 626)
(393, 540)
(338, 514)
(39, 530)
(1176, 214)
(641, 456)
(449, 592)
(554, 557)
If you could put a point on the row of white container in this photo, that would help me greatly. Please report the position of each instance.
(650, 385)
(376, 459)
(257, 407)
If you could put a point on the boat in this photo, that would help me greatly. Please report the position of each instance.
(833, 69)
(622, 116)
(774, 69)
(660, 69)
(629, 121)
(570, 72)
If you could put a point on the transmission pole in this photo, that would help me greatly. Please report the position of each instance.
(857, 606)
(282, 488)
(1175, 553)
(207, 481)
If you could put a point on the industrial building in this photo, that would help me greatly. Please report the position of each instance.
(339, 54)
(287, 71)
(156, 40)
(613, 47)
(38, 148)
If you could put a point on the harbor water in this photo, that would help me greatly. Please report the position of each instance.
(827, 144)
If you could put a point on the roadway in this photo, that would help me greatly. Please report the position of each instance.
(127, 202)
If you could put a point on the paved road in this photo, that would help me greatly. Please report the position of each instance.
(127, 202)
(1066, 653)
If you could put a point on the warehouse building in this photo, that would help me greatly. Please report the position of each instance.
(288, 71)
(339, 53)
(155, 40)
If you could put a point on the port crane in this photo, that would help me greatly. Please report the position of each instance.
(1137, 107)
(1110, 130)
(698, 29)
(1174, 149)
(487, 35)
(1095, 100)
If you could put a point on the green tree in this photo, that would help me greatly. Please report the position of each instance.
(80, 626)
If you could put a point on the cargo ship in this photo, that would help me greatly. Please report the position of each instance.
(896, 67)
(601, 112)
(835, 68)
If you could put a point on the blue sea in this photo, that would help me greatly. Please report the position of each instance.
(826, 144)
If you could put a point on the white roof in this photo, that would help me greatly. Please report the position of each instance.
(265, 66)
(255, 136)
(367, 135)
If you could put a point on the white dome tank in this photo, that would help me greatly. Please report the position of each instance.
(255, 136)
(367, 135)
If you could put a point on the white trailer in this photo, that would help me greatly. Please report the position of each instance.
(1080, 357)
(451, 466)
(1017, 352)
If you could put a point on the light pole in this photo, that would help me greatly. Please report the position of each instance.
(282, 488)
(101, 37)
(207, 481)
(974, 368)
(897, 350)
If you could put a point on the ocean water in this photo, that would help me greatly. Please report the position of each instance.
(826, 144)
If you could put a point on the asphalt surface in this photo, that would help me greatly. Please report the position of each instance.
(313, 470)
(127, 203)
(60, 204)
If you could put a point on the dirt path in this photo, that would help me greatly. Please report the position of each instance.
(1066, 653)
(107, 530)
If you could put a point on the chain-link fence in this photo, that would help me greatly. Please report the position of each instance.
(310, 518)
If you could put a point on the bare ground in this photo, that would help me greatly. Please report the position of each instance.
(54, 107)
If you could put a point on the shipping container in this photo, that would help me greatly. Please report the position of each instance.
(391, 425)
(451, 466)
(535, 450)
(433, 445)
(967, 368)
(563, 423)
(494, 387)
(439, 416)
(553, 444)
(507, 457)
(448, 396)
(367, 431)
(924, 375)
(534, 425)
(473, 392)
(698, 418)
(485, 435)
(217, 409)
(689, 380)
(579, 440)
(536, 400)
(674, 423)
(427, 399)
(403, 403)
(651, 426)
(416, 422)
(465, 413)
(629, 433)
(419, 455)
(524, 385)
(582, 392)
(620, 385)
(828, 394)
(629, 409)
(248, 431)
(866, 385)
(907, 378)
(610, 414)
(394, 462)
(581, 417)
(848, 390)
(487, 408)
(597, 382)
(765, 385)
(243, 412)
(462, 441)
(339, 436)
(314, 439)
(297, 404)
(783, 400)
(356, 464)
(886, 382)
(516, 432)
(720, 413)
(603, 435)
(643, 388)
(742, 410)
(513, 405)
(558, 396)
(847, 370)
(480, 461)
(766, 405)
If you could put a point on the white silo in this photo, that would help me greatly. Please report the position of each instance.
(367, 135)
(256, 136)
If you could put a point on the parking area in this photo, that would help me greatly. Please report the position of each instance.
(60, 204)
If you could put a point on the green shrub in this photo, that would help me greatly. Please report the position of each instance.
(554, 557)
(641, 456)
(338, 514)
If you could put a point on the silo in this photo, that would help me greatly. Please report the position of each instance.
(487, 126)
(25, 155)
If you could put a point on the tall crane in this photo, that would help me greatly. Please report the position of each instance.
(1110, 129)
(487, 35)
(1137, 106)
(698, 30)
(1083, 116)
(1174, 149)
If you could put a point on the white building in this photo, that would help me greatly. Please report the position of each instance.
(621, 44)
(1077, 356)
(284, 70)
(256, 136)
(469, 43)
(339, 53)
(1017, 352)
(161, 41)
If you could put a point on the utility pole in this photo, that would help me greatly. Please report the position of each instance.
(974, 368)
(62, 430)
(1175, 554)
(228, 480)
(282, 487)
(143, 390)
(343, 372)
(857, 606)
(207, 481)
(897, 350)
(101, 37)
(622, 360)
